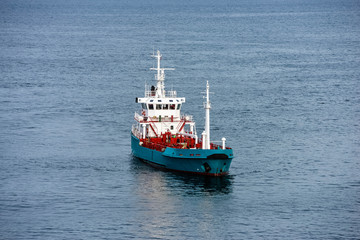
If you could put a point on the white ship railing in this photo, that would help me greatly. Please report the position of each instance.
(137, 117)
(170, 94)
(188, 118)
(135, 131)
(140, 118)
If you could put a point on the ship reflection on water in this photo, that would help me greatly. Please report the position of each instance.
(180, 183)
(165, 201)
(195, 184)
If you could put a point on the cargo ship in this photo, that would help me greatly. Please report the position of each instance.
(165, 138)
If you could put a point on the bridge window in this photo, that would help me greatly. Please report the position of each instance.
(172, 106)
(151, 107)
(178, 106)
(158, 106)
(165, 106)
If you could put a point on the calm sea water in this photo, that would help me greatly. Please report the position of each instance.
(286, 82)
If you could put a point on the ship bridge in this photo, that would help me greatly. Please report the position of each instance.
(161, 106)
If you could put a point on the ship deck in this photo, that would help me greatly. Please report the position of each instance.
(174, 141)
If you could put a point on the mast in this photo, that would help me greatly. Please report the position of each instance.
(160, 76)
(207, 107)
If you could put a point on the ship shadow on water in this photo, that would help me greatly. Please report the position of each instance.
(186, 183)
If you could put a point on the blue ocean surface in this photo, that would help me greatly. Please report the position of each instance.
(286, 81)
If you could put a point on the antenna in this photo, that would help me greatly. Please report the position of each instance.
(160, 76)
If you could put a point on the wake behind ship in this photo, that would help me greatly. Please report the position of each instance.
(167, 139)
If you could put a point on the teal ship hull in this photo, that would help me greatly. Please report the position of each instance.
(213, 162)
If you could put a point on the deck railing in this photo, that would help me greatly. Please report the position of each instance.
(135, 131)
(140, 118)
(170, 94)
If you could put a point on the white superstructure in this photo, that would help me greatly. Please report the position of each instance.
(161, 110)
